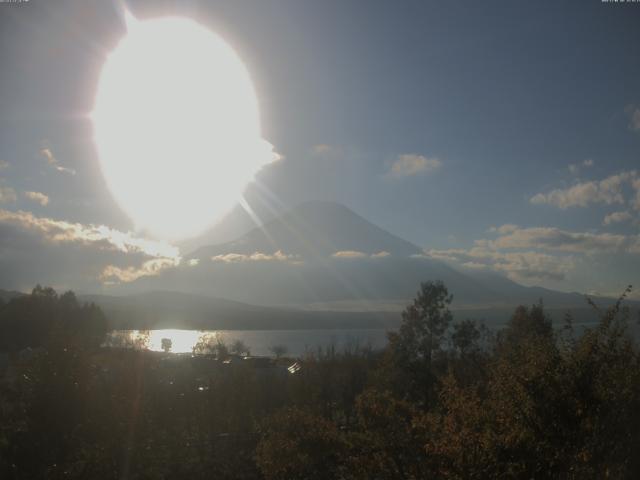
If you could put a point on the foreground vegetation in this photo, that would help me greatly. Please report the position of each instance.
(442, 400)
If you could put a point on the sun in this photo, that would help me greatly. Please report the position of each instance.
(176, 126)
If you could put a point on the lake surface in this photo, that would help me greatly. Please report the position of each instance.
(259, 342)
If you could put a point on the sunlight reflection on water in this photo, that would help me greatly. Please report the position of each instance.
(257, 342)
(182, 341)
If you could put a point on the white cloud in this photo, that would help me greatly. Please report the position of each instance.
(607, 191)
(256, 257)
(230, 258)
(327, 152)
(355, 254)
(617, 217)
(129, 274)
(321, 149)
(528, 265)
(536, 253)
(7, 195)
(37, 197)
(59, 231)
(3, 164)
(506, 228)
(575, 168)
(636, 186)
(275, 156)
(634, 118)
(349, 254)
(555, 239)
(47, 154)
(40, 249)
(413, 164)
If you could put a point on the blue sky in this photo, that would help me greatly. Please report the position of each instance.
(440, 121)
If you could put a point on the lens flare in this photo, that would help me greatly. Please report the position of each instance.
(176, 126)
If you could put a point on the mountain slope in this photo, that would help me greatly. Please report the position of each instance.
(328, 253)
(314, 229)
(373, 268)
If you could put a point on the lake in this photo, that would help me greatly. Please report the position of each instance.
(259, 342)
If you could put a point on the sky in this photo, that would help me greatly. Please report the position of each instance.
(495, 135)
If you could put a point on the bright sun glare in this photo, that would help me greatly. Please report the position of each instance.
(177, 127)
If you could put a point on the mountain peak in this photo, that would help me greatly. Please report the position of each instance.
(315, 229)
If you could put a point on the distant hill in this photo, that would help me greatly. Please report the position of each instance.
(157, 310)
(7, 295)
(161, 309)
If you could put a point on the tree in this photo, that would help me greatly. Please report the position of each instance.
(385, 442)
(278, 350)
(425, 322)
(545, 409)
(526, 323)
(297, 444)
(238, 347)
(166, 344)
(211, 345)
(54, 389)
(411, 350)
(470, 350)
(465, 336)
(36, 319)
